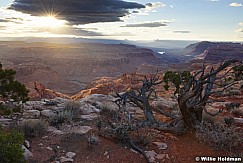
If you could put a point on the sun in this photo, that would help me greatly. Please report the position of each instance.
(51, 21)
(46, 21)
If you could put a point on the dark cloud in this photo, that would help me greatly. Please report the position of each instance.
(11, 20)
(77, 11)
(149, 25)
(149, 4)
(3, 21)
(182, 31)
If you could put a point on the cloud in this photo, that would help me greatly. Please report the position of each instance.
(155, 5)
(213, 0)
(11, 20)
(235, 5)
(3, 21)
(182, 31)
(240, 30)
(148, 24)
(78, 11)
(241, 23)
(150, 7)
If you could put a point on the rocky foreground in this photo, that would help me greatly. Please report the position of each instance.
(90, 109)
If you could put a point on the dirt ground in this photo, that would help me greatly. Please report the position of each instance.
(182, 148)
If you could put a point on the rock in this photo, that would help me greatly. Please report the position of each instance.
(151, 155)
(27, 143)
(84, 129)
(59, 100)
(31, 114)
(58, 132)
(54, 130)
(64, 159)
(100, 101)
(212, 110)
(5, 121)
(161, 145)
(238, 112)
(165, 102)
(132, 150)
(27, 153)
(238, 120)
(49, 148)
(106, 153)
(88, 108)
(51, 129)
(33, 105)
(38, 91)
(89, 117)
(78, 129)
(70, 154)
(161, 156)
(47, 113)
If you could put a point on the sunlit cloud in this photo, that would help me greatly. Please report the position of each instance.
(240, 30)
(235, 5)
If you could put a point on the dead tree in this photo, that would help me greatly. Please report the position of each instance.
(192, 97)
(141, 98)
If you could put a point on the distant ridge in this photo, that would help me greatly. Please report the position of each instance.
(214, 52)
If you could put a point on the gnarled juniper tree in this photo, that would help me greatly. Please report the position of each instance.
(192, 92)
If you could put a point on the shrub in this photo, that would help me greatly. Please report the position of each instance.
(93, 140)
(74, 108)
(208, 118)
(62, 117)
(5, 110)
(10, 147)
(68, 114)
(219, 136)
(10, 88)
(33, 128)
(8, 110)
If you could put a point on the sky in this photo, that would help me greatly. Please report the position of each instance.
(211, 20)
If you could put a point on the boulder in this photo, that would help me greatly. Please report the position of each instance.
(64, 159)
(27, 143)
(161, 145)
(70, 154)
(47, 113)
(5, 121)
(87, 108)
(100, 101)
(89, 117)
(77, 129)
(151, 155)
(31, 114)
(27, 153)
